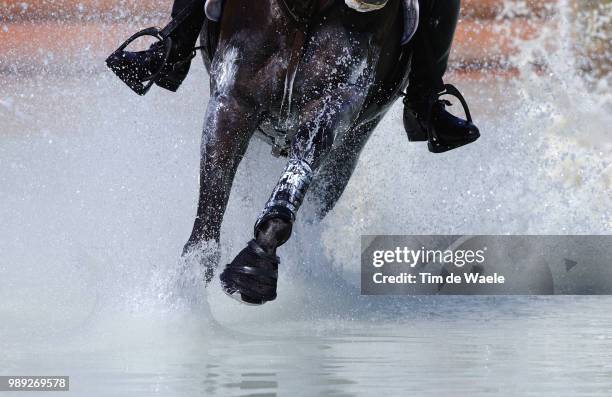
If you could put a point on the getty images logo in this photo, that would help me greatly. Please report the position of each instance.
(411, 257)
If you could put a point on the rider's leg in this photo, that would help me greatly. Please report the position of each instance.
(432, 45)
(187, 33)
(144, 64)
(431, 48)
(183, 41)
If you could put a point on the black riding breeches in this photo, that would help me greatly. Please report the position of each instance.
(187, 33)
(432, 44)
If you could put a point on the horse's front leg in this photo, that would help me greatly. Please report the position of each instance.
(252, 276)
(322, 119)
(228, 126)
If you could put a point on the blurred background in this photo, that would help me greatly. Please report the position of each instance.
(71, 36)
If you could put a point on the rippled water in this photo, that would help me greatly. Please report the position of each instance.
(98, 190)
(429, 347)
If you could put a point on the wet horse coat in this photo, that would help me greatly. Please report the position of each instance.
(351, 68)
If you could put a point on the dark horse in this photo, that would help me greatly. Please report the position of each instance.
(348, 77)
(314, 78)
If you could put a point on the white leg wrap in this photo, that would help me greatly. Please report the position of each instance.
(289, 191)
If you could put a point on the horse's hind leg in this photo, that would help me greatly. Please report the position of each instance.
(335, 172)
(228, 127)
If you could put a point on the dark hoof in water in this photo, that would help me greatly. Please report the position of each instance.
(251, 277)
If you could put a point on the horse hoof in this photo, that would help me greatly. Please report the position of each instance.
(251, 277)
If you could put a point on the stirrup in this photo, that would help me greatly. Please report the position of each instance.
(451, 90)
(435, 145)
(138, 80)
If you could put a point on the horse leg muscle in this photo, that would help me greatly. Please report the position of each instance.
(252, 276)
(311, 145)
(335, 172)
(228, 127)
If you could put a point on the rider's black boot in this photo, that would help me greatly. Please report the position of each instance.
(425, 115)
(426, 119)
(167, 70)
(166, 63)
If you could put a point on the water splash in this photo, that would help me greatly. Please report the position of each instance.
(103, 186)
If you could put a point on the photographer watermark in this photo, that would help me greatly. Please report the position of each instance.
(486, 265)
